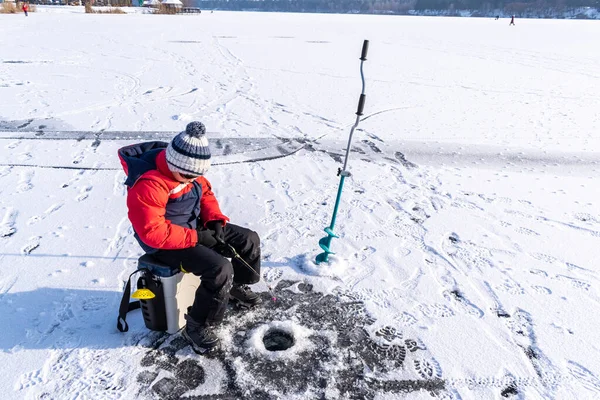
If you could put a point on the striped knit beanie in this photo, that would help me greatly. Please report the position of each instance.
(188, 152)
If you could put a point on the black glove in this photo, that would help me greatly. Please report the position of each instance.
(217, 227)
(206, 237)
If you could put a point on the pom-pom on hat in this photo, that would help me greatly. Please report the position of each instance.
(188, 152)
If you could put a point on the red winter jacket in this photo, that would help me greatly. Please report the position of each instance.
(163, 211)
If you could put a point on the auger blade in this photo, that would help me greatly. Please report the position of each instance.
(323, 257)
(325, 243)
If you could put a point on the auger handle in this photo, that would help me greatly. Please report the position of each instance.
(365, 49)
(361, 104)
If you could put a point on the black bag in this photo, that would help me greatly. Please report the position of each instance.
(153, 310)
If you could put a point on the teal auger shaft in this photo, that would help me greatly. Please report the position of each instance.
(325, 243)
(337, 202)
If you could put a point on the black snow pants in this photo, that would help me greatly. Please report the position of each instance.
(216, 272)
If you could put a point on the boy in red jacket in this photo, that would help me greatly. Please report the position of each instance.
(25, 8)
(177, 219)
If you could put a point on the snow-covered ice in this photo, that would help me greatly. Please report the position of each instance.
(467, 263)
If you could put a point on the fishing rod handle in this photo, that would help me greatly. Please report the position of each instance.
(365, 49)
(361, 104)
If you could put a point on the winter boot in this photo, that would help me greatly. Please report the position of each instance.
(202, 338)
(243, 295)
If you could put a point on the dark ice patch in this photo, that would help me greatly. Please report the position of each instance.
(340, 349)
(509, 391)
(190, 373)
(169, 388)
(146, 377)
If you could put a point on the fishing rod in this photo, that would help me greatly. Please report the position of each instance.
(245, 264)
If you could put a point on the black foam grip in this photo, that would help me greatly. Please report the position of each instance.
(365, 49)
(361, 104)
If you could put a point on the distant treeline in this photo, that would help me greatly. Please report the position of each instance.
(394, 6)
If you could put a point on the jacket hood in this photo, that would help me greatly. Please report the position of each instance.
(139, 158)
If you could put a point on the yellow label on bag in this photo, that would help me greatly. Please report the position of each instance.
(143, 294)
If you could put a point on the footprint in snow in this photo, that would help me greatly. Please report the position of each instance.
(34, 219)
(428, 368)
(25, 182)
(457, 298)
(23, 157)
(30, 379)
(51, 210)
(576, 283)
(7, 231)
(541, 289)
(572, 267)
(33, 244)
(544, 258)
(585, 217)
(88, 264)
(365, 253)
(7, 227)
(77, 176)
(539, 272)
(272, 274)
(379, 298)
(84, 193)
(405, 319)
(94, 304)
(5, 171)
(414, 345)
(389, 333)
(436, 311)
(13, 145)
(511, 287)
(78, 158)
(584, 376)
(526, 231)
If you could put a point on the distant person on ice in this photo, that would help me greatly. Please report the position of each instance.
(177, 219)
(512, 21)
(25, 8)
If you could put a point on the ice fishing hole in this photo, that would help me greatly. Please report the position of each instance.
(278, 340)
